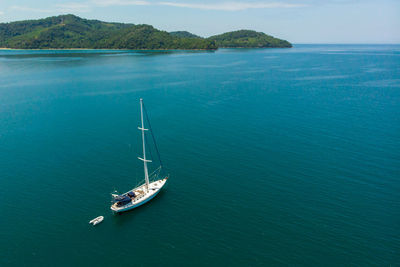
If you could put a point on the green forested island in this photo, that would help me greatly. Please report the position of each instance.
(246, 38)
(70, 31)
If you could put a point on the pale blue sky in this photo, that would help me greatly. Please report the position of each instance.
(299, 21)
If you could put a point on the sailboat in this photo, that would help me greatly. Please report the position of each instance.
(152, 182)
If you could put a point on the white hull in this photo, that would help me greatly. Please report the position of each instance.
(141, 196)
(97, 220)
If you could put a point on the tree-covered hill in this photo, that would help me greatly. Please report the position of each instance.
(248, 38)
(184, 34)
(69, 31)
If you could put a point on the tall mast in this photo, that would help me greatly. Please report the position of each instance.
(146, 173)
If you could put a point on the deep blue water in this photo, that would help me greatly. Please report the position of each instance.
(276, 156)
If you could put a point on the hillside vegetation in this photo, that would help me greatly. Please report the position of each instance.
(247, 38)
(184, 34)
(69, 31)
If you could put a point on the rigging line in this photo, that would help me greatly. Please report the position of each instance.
(156, 172)
(152, 135)
(149, 150)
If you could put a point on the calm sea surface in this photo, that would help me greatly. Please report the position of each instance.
(276, 156)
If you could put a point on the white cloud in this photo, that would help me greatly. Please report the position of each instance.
(31, 9)
(1, 13)
(120, 3)
(59, 8)
(231, 6)
(73, 7)
(227, 6)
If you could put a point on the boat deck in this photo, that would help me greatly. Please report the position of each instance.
(141, 197)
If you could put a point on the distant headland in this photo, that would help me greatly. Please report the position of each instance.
(72, 32)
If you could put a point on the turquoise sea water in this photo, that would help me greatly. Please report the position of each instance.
(276, 157)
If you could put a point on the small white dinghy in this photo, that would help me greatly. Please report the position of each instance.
(97, 220)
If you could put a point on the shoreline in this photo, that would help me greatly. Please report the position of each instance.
(103, 49)
(128, 49)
